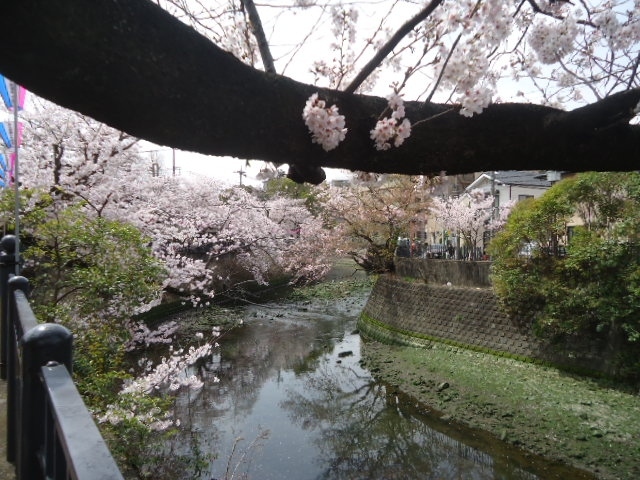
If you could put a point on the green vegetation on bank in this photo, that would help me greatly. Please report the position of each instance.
(591, 424)
(586, 283)
(333, 289)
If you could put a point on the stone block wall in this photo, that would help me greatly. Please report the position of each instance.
(414, 312)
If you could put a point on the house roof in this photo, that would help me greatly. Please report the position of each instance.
(523, 178)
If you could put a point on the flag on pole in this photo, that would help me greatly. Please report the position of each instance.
(5, 93)
(4, 171)
(5, 134)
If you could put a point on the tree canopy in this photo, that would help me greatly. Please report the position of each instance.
(135, 66)
(590, 287)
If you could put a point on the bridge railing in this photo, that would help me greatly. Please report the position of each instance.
(50, 433)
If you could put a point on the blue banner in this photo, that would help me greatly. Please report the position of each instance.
(4, 91)
(5, 134)
(3, 171)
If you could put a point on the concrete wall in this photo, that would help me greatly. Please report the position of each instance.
(441, 272)
(414, 312)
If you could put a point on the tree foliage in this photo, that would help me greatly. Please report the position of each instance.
(595, 288)
(470, 215)
(371, 215)
(210, 237)
(88, 270)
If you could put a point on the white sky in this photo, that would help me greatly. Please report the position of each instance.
(223, 169)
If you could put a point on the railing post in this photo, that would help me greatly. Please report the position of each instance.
(40, 345)
(13, 382)
(7, 266)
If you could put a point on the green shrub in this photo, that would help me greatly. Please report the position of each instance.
(594, 289)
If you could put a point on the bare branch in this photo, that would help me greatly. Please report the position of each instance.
(258, 32)
(386, 49)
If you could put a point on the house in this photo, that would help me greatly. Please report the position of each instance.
(515, 185)
(506, 186)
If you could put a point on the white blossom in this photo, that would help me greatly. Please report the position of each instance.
(391, 129)
(326, 125)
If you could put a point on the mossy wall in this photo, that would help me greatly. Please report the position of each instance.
(414, 312)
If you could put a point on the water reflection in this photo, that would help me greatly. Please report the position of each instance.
(289, 373)
(363, 432)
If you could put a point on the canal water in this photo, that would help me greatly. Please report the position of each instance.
(293, 402)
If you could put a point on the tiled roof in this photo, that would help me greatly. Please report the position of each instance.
(525, 178)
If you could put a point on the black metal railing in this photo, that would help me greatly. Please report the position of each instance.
(50, 433)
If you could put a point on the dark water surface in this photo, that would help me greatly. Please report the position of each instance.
(294, 403)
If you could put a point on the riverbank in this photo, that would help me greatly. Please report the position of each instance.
(575, 420)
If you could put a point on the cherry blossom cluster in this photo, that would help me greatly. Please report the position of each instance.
(481, 27)
(142, 335)
(475, 100)
(394, 129)
(173, 373)
(619, 34)
(326, 125)
(338, 68)
(553, 39)
(344, 23)
(469, 215)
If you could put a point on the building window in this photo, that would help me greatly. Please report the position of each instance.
(524, 197)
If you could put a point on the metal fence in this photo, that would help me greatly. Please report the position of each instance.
(50, 433)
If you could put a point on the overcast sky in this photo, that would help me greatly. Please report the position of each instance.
(224, 169)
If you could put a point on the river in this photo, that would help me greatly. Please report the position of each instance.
(293, 402)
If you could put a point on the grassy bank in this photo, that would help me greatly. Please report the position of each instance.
(579, 421)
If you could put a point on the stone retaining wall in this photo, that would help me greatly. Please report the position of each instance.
(415, 312)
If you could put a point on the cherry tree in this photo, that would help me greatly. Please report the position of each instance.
(470, 215)
(208, 235)
(212, 79)
(370, 214)
(213, 237)
(80, 159)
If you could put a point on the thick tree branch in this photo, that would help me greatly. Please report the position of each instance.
(131, 65)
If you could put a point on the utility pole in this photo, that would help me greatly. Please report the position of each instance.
(494, 206)
(241, 174)
(16, 175)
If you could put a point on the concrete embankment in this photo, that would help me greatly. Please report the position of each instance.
(412, 312)
(478, 366)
